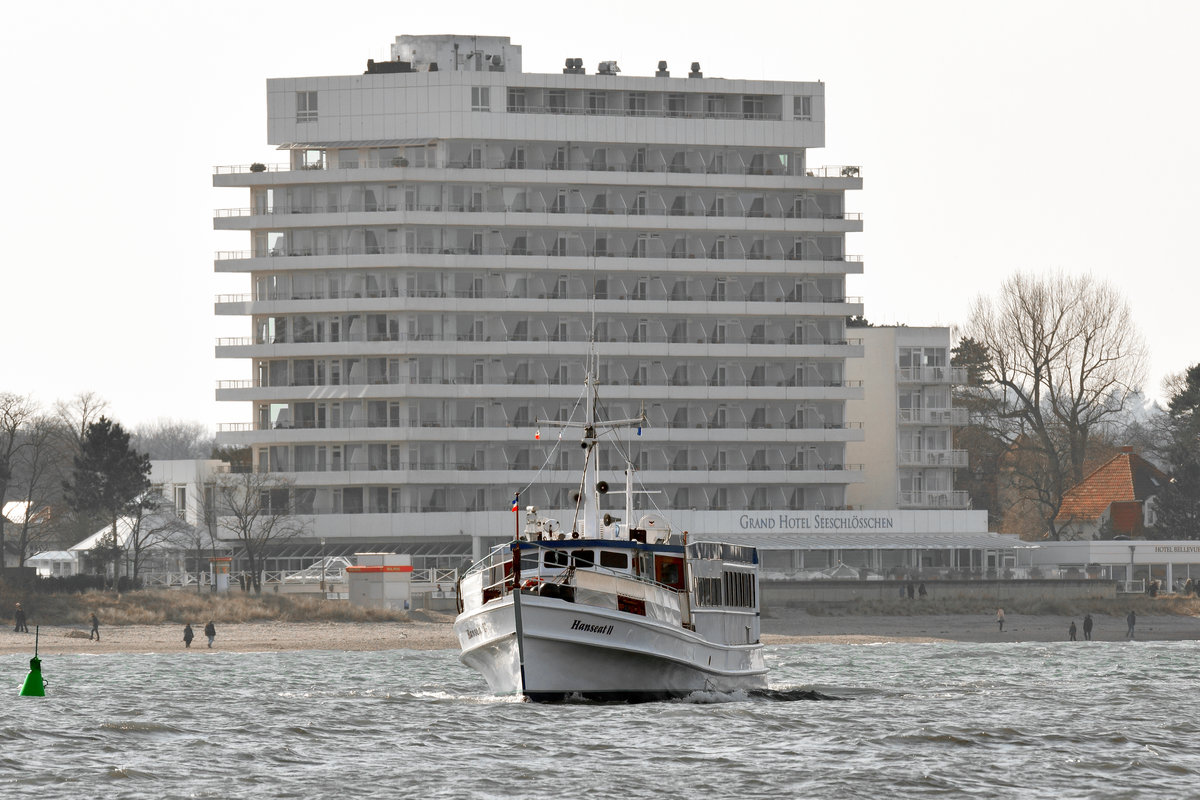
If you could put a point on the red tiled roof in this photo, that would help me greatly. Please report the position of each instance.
(1126, 478)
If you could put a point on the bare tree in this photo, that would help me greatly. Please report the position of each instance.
(199, 541)
(16, 412)
(35, 477)
(78, 413)
(1063, 357)
(153, 522)
(257, 509)
(173, 439)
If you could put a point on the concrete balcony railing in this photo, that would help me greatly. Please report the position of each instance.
(933, 458)
(955, 375)
(933, 416)
(935, 499)
(853, 172)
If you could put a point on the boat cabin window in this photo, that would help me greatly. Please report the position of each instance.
(556, 558)
(739, 589)
(584, 558)
(613, 560)
(668, 570)
(708, 591)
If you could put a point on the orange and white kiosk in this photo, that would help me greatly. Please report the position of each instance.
(219, 572)
(380, 580)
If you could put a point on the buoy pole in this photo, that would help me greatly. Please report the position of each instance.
(34, 685)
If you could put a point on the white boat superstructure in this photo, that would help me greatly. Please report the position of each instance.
(605, 610)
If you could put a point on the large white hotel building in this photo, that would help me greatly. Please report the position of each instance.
(428, 266)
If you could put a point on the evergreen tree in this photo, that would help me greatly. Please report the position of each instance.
(109, 479)
(1178, 505)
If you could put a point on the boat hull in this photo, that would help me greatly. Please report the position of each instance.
(571, 650)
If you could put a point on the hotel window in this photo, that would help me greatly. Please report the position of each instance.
(306, 106)
(636, 103)
(676, 105)
(516, 99)
(802, 107)
(752, 106)
(556, 99)
(481, 98)
(597, 102)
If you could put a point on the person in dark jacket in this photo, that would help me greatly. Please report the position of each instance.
(19, 618)
(188, 635)
(1087, 628)
(1071, 631)
(210, 631)
(1132, 621)
(95, 633)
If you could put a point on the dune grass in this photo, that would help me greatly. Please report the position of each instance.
(149, 607)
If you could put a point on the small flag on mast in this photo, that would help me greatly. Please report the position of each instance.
(516, 501)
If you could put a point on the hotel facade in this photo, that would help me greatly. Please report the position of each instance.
(448, 237)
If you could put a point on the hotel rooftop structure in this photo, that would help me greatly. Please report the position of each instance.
(445, 236)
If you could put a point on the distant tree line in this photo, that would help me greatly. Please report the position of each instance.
(68, 470)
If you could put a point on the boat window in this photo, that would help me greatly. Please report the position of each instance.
(668, 570)
(708, 591)
(556, 558)
(584, 558)
(614, 560)
(738, 588)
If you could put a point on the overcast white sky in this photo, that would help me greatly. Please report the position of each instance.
(992, 137)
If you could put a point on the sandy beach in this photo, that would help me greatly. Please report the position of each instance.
(791, 627)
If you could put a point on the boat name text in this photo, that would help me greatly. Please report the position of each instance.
(817, 522)
(580, 625)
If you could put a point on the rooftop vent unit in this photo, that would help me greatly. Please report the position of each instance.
(573, 66)
(695, 73)
(433, 66)
(607, 68)
(385, 67)
(496, 63)
(662, 70)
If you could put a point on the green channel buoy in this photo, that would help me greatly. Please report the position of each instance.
(34, 685)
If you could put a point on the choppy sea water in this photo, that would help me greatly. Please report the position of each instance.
(1060, 720)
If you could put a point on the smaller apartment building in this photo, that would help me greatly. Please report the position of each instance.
(906, 410)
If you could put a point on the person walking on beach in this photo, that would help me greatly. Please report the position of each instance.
(188, 635)
(1087, 628)
(95, 633)
(210, 631)
(1000, 618)
(1131, 620)
(19, 618)
(1071, 631)
(921, 591)
(911, 591)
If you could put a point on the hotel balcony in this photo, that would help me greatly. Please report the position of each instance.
(933, 458)
(933, 416)
(953, 500)
(932, 375)
(831, 178)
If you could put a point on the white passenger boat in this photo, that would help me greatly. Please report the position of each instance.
(604, 610)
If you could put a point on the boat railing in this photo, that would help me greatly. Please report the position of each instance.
(492, 578)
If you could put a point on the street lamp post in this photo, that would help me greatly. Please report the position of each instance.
(322, 567)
